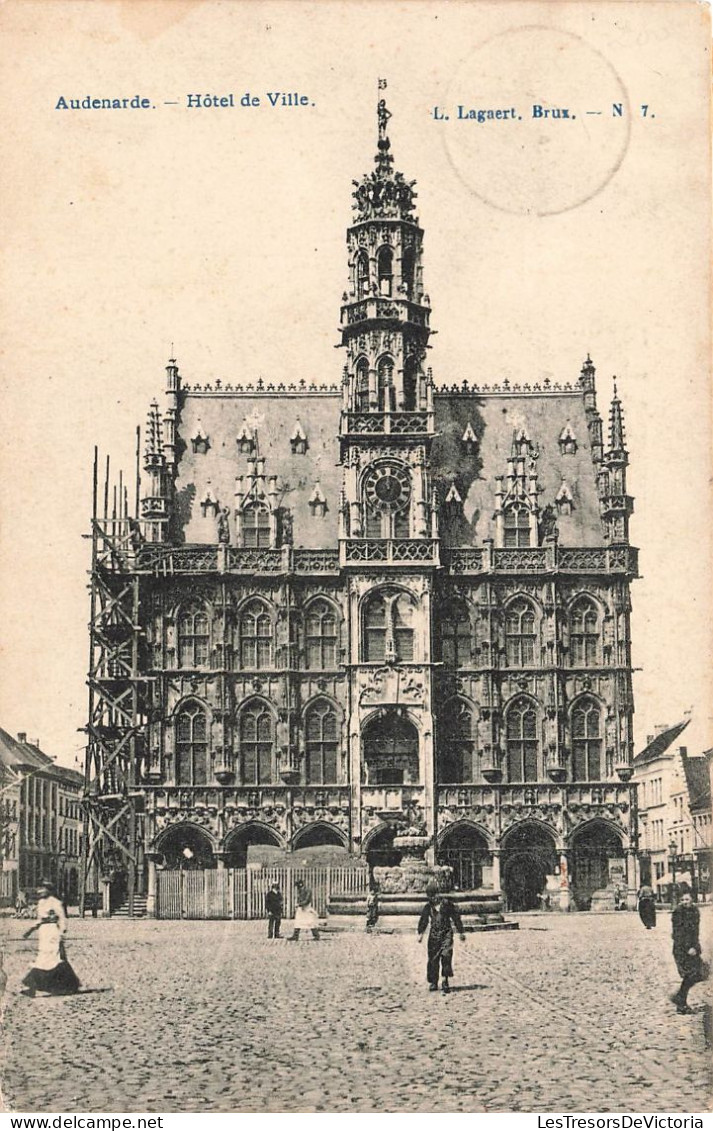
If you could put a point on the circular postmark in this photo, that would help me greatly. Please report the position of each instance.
(536, 121)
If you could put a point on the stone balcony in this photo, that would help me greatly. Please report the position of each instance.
(550, 559)
(166, 561)
(387, 424)
(389, 551)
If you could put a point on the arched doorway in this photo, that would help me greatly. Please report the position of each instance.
(318, 835)
(239, 842)
(528, 858)
(594, 848)
(391, 751)
(380, 851)
(187, 847)
(465, 850)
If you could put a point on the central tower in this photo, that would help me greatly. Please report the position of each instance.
(388, 529)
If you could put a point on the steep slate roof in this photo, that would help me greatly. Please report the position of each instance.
(21, 754)
(660, 743)
(220, 414)
(26, 756)
(274, 415)
(495, 418)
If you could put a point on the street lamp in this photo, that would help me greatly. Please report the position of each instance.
(672, 854)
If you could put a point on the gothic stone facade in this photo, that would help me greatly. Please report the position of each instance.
(390, 604)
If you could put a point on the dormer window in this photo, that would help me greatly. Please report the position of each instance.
(567, 440)
(298, 440)
(521, 443)
(199, 441)
(317, 503)
(469, 440)
(209, 504)
(246, 439)
(564, 499)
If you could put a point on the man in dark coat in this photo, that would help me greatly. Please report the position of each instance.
(647, 907)
(685, 925)
(273, 904)
(442, 916)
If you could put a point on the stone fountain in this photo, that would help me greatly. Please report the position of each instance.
(402, 891)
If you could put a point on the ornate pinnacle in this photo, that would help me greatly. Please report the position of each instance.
(154, 435)
(616, 424)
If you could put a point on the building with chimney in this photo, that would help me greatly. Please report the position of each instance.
(380, 602)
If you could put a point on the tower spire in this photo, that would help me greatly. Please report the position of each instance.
(617, 442)
(384, 194)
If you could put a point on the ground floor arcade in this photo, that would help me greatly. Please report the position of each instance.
(530, 862)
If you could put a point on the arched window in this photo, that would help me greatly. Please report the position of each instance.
(410, 385)
(456, 636)
(516, 526)
(191, 745)
(456, 762)
(256, 526)
(385, 383)
(321, 636)
(385, 271)
(403, 612)
(256, 735)
(584, 633)
(193, 637)
(521, 741)
(586, 741)
(389, 628)
(375, 629)
(362, 385)
(520, 634)
(255, 637)
(362, 274)
(407, 269)
(321, 744)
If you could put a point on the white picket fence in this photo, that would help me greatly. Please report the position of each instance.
(240, 893)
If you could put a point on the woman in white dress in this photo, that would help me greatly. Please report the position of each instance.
(305, 915)
(50, 973)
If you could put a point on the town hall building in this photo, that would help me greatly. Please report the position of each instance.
(375, 605)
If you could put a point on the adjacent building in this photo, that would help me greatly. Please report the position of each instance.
(674, 813)
(41, 820)
(371, 604)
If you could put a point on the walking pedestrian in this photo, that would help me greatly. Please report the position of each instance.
(372, 908)
(647, 906)
(442, 916)
(305, 915)
(51, 972)
(685, 926)
(47, 900)
(274, 905)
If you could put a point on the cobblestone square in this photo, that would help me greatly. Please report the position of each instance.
(568, 1013)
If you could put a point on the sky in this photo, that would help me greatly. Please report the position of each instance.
(218, 235)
